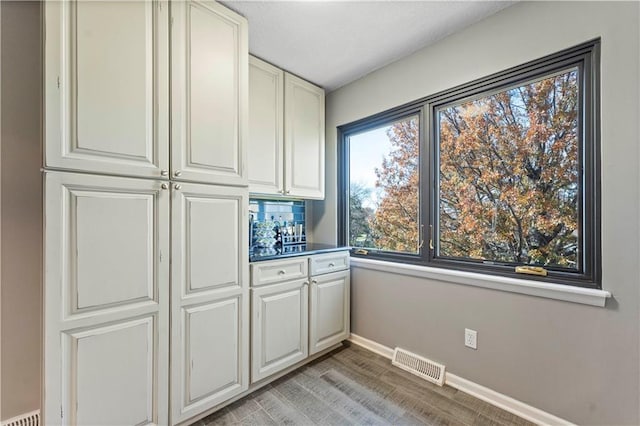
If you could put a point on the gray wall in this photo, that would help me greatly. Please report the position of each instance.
(575, 361)
(21, 207)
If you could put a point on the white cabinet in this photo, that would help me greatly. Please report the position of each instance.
(209, 297)
(106, 352)
(286, 136)
(304, 138)
(279, 315)
(329, 313)
(294, 315)
(107, 91)
(108, 292)
(266, 128)
(209, 95)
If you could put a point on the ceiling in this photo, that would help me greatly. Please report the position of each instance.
(332, 43)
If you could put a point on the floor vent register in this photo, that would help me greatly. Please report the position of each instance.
(420, 366)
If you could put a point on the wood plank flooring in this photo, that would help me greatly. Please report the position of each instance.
(353, 386)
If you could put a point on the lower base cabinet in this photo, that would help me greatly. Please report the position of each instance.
(329, 313)
(279, 333)
(292, 317)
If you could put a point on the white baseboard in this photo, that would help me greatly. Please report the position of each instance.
(375, 347)
(505, 402)
(483, 393)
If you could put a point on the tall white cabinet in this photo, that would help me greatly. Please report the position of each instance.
(106, 300)
(286, 134)
(122, 204)
(209, 297)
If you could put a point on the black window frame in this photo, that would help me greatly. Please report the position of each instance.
(586, 58)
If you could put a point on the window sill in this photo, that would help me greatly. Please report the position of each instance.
(586, 296)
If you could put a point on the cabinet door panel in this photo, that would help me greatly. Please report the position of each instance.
(266, 140)
(304, 138)
(120, 267)
(279, 327)
(107, 87)
(329, 310)
(114, 372)
(212, 241)
(106, 300)
(209, 93)
(209, 298)
(213, 334)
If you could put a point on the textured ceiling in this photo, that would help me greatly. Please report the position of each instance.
(332, 43)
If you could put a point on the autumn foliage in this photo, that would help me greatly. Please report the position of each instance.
(509, 174)
(508, 179)
(395, 222)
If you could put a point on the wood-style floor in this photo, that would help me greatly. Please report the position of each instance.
(353, 386)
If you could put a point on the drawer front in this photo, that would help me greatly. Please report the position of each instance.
(271, 272)
(329, 262)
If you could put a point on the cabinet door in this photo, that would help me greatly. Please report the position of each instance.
(106, 288)
(279, 327)
(209, 297)
(266, 141)
(329, 310)
(303, 138)
(107, 87)
(209, 80)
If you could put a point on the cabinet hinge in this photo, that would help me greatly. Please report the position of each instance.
(61, 413)
(58, 82)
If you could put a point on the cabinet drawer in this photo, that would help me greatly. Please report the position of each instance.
(329, 262)
(264, 273)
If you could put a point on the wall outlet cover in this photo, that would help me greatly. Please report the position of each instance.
(471, 338)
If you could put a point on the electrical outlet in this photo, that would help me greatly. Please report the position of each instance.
(471, 338)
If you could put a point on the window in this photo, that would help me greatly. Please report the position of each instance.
(499, 176)
(384, 187)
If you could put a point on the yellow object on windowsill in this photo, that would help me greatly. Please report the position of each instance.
(531, 270)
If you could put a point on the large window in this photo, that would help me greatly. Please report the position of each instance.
(497, 176)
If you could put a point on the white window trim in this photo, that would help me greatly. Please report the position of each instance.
(567, 293)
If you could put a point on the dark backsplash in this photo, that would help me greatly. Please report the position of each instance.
(284, 213)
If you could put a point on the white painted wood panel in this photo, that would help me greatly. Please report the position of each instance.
(113, 368)
(106, 342)
(209, 297)
(266, 126)
(107, 87)
(212, 243)
(329, 310)
(209, 93)
(111, 250)
(304, 138)
(329, 262)
(272, 272)
(213, 334)
(279, 315)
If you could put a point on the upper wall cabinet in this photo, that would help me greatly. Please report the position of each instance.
(304, 138)
(106, 90)
(266, 127)
(209, 93)
(286, 136)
